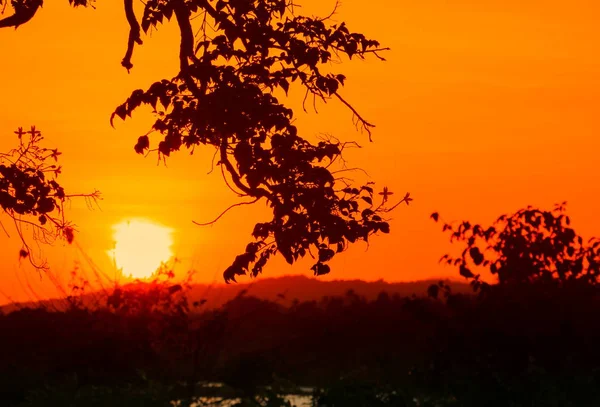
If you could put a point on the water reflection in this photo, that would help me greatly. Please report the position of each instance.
(220, 396)
(294, 399)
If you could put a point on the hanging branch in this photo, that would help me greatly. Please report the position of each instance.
(24, 11)
(134, 34)
(225, 211)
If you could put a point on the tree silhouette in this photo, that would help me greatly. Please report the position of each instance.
(224, 97)
(528, 246)
(30, 194)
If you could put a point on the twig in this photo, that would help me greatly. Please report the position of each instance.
(225, 211)
(366, 125)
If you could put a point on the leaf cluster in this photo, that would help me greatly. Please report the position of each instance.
(225, 97)
(29, 191)
(528, 246)
(235, 58)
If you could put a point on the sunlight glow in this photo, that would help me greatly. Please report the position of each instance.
(140, 247)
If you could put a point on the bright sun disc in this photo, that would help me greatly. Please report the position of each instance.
(140, 247)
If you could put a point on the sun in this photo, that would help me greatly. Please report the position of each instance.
(140, 247)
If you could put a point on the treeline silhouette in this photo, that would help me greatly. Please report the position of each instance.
(285, 290)
(533, 345)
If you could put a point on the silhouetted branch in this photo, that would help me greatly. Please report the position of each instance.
(407, 199)
(256, 192)
(205, 5)
(335, 9)
(212, 161)
(134, 34)
(186, 48)
(24, 11)
(351, 169)
(186, 45)
(95, 195)
(4, 230)
(225, 211)
(31, 196)
(232, 189)
(365, 124)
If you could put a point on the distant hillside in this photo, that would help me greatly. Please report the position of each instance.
(283, 290)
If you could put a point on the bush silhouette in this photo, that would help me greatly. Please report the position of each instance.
(528, 246)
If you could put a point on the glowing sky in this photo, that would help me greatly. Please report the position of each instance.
(483, 107)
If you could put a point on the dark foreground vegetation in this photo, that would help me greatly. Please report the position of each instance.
(529, 340)
(531, 346)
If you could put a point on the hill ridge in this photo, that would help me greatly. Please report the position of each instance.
(283, 289)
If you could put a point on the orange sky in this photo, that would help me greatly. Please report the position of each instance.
(482, 108)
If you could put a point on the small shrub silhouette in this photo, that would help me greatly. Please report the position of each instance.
(31, 195)
(528, 246)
